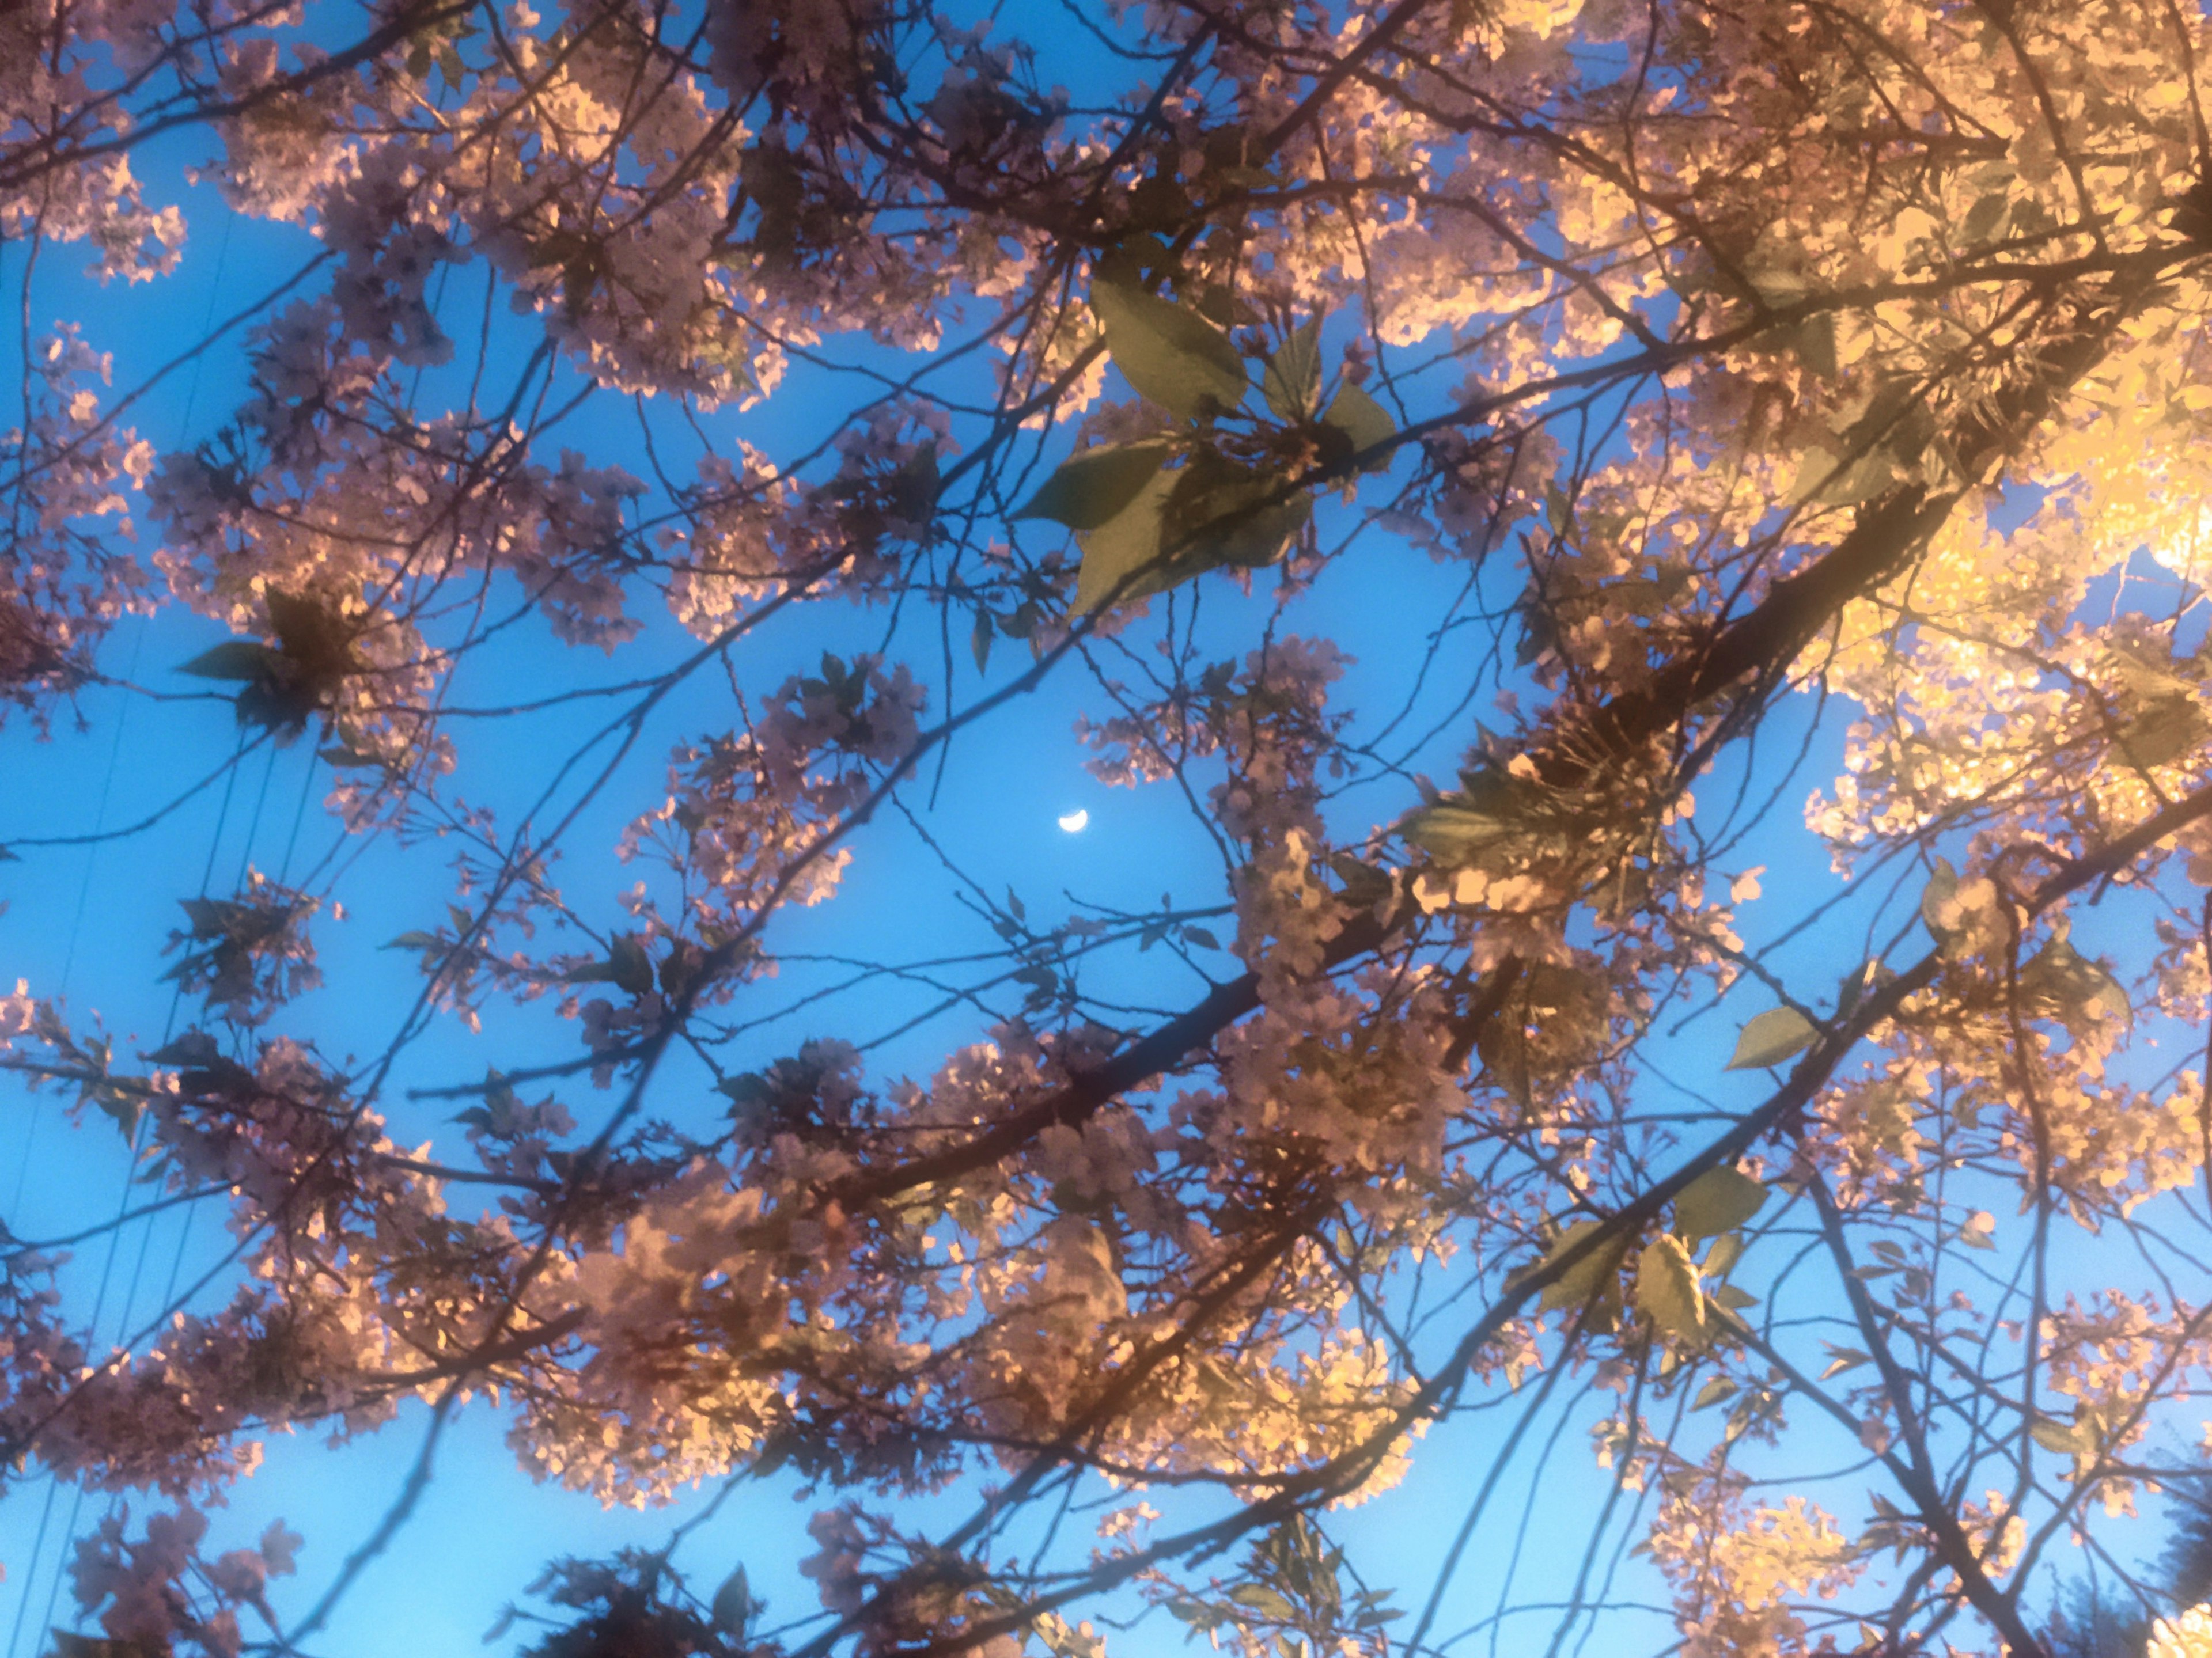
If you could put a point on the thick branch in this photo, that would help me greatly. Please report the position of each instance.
(1889, 533)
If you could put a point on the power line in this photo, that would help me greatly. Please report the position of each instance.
(114, 1241)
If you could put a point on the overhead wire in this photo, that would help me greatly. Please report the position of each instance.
(37, 1118)
(179, 1249)
(136, 1137)
(107, 1271)
(115, 1238)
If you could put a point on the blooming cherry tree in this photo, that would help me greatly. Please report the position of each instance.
(1783, 425)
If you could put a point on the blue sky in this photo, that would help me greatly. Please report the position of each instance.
(88, 921)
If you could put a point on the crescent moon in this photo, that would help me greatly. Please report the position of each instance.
(1075, 821)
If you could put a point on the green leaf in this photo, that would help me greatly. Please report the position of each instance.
(1291, 381)
(2068, 1439)
(1362, 420)
(417, 941)
(194, 1048)
(1122, 547)
(1982, 218)
(732, 1606)
(1173, 357)
(1727, 1250)
(1091, 489)
(748, 1088)
(1271, 1603)
(1772, 1037)
(1719, 1200)
(1942, 887)
(978, 642)
(2167, 728)
(210, 917)
(1895, 418)
(344, 753)
(1719, 1388)
(1452, 834)
(1180, 524)
(632, 969)
(627, 966)
(235, 659)
(1844, 1358)
(1667, 1289)
(1588, 1276)
(1364, 884)
(1772, 268)
(1829, 480)
(122, 1110)
(1940, 915)
(1221, 512)
(1813, 341)
(2072, 986)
